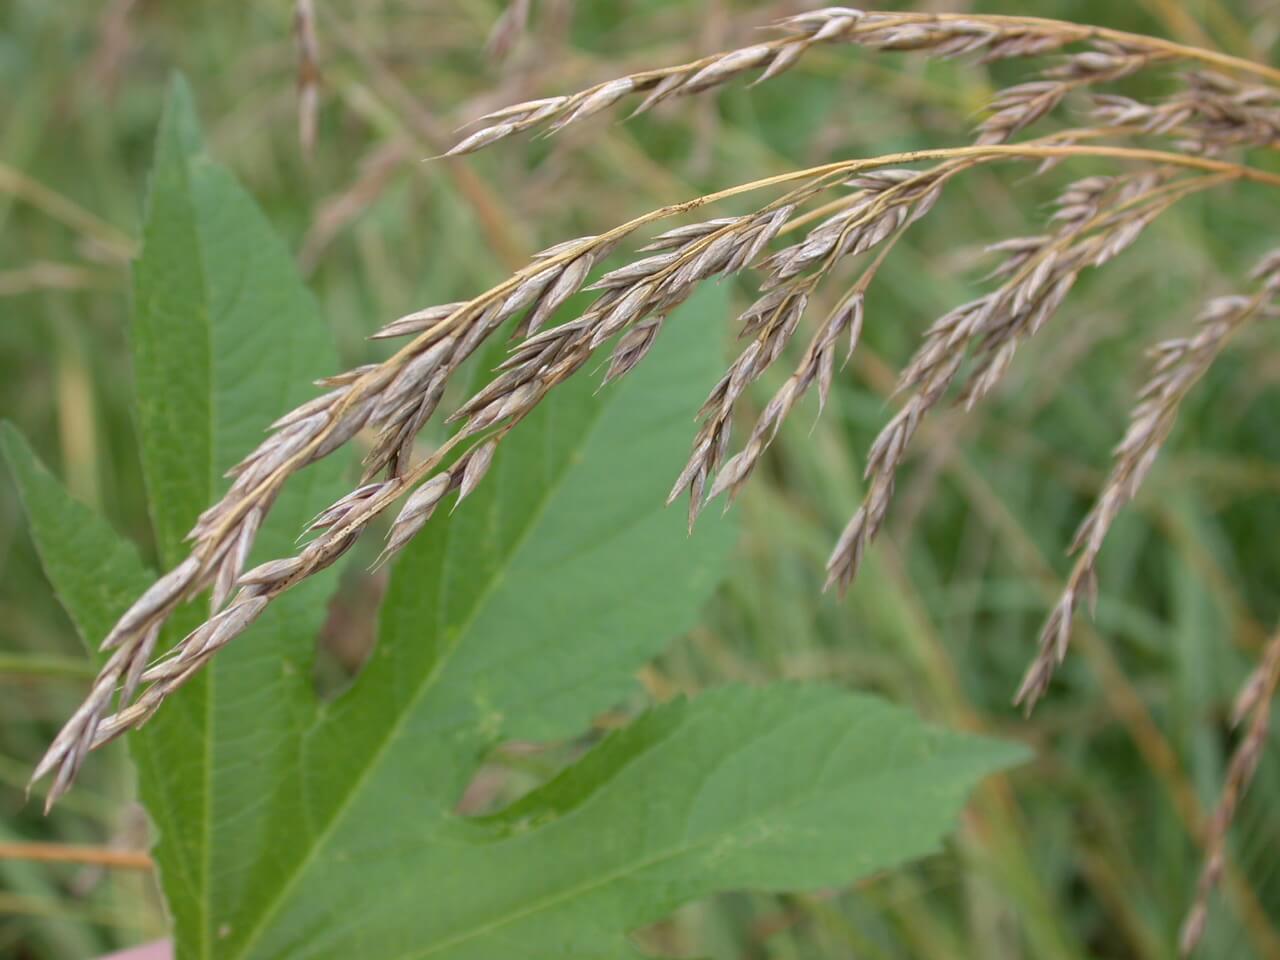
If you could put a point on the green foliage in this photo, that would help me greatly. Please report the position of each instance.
(292, 826)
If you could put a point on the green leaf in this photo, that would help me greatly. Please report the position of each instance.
(781, 788)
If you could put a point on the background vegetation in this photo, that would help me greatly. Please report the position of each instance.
(1089, 851)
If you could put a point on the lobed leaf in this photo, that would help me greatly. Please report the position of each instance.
(779, 788)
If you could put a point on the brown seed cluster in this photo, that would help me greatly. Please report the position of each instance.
(884, 204)
(1095, 219)
(1211, 114)
(844, 213)
(1018, 107)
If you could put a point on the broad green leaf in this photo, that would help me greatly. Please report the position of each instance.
(779, 788)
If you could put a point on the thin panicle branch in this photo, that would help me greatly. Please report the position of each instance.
(1095, 219)
(1253, 705)
(1111, 55)
(304, 27)
(1179, 365)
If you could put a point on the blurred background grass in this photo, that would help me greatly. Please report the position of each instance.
(1088, 852)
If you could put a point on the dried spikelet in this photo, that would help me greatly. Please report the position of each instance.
(1095, 219)
(1211, 114)
(417, 511)
(417, 322)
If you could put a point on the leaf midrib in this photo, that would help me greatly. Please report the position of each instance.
(357, 783)
(190, 210)
(206, 853)
(231, 302)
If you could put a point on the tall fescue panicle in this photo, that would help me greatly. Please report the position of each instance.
(822, 220)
